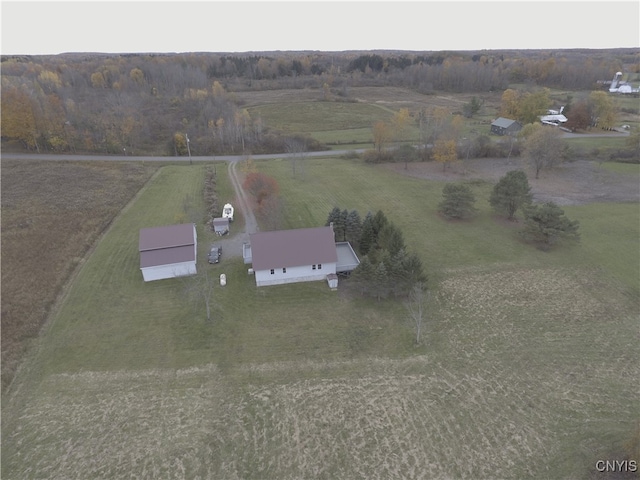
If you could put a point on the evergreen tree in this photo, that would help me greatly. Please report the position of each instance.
(381, 281)
(343, 226)
(379, 221)
(511, 193)
(367, 235)
(335, 218)
(353, 228)
(457, 202)
(390, 239)
(362, 275)
(546, 224)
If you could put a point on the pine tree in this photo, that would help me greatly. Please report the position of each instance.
(353, 228)
(457, 202)
(390, 239)
(546, 224)
(367, 236)
(511, 193)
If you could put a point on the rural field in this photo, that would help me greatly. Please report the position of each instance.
(528, 366)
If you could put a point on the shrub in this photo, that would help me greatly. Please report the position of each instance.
(458, 201)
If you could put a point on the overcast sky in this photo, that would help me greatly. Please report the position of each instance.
(51, 27)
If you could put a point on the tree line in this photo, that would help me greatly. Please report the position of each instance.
(148, 103)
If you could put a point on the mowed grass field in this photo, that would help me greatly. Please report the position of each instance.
(528, 369)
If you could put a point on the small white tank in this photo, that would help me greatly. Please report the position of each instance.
(223, 279)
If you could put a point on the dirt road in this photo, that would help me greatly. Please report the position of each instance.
(232, 244)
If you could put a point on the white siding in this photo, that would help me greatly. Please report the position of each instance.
(161, 272)
(294, 274)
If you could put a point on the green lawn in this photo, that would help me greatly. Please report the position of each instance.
(327, 122)
(526, 370)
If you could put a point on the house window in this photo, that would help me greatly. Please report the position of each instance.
(313, 267)
(284, 270)
(272, 271)
(319, 266)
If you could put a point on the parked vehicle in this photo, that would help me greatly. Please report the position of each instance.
(214, 254)
(227, 211)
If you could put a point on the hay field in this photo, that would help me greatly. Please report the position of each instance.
(500, 393)
(52, 213)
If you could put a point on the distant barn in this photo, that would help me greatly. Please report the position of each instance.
(168, 252)
(505, 126)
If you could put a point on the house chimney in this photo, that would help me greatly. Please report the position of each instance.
(331, 225)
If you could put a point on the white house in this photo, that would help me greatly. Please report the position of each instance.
(168, 252)
(300, 255)
(288, 256)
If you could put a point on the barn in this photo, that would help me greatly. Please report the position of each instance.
(298, 255)
(167, 252)
(505, 126)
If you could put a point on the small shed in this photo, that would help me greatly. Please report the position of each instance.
(505, 126)
(332, 280)
(168, 252)
(221, 225)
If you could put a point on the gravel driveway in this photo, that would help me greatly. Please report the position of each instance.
(232, 243)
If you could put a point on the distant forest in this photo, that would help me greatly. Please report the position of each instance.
(144, 103)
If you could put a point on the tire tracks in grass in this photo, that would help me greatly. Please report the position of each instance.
(250, 222)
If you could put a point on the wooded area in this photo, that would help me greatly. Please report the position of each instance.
(145, 104)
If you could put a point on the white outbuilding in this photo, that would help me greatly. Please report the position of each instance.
(168, 252)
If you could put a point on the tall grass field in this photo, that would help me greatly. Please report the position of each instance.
(528, 367)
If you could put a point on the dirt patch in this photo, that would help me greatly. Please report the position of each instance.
(572, 183)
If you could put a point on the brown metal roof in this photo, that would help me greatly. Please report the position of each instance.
(167, 256)
(293, 248)
(167, 236)
(167, 245)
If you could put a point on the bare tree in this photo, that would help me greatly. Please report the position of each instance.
(199, 289)
(296, 148)
(416, 306)
(544, 148)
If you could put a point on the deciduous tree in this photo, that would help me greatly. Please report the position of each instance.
(445, 152)
(260, 186)
(603, 109)
(381, 135)
(416, 306)
(543, 147)
(512, 192)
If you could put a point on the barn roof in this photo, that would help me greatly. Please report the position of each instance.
(166, 236)
(293, 248)
(167, 245)
(503, 122)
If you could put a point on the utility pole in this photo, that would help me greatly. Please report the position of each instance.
(188, 149)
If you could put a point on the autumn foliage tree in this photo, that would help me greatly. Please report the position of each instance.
(262, 187)
(445, 152)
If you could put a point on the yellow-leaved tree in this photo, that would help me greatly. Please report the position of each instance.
(604, 109)
(444, 151)
(18, 119)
